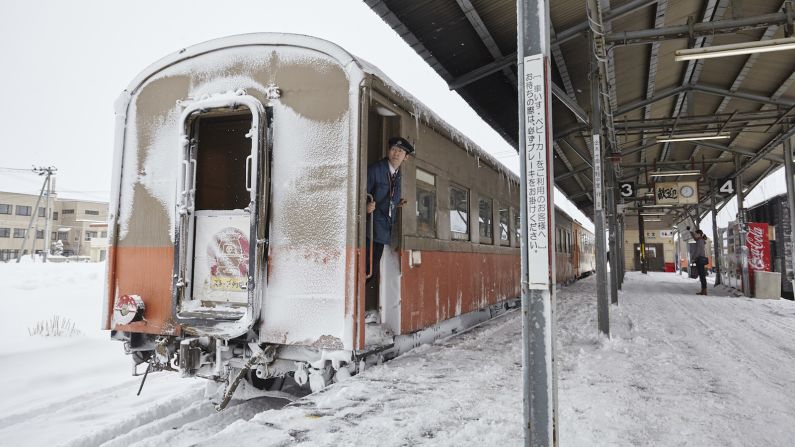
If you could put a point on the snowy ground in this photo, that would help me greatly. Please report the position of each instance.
(680, 369)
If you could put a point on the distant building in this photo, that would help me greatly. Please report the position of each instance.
(76, 223)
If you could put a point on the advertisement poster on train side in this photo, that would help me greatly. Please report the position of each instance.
(536, 165)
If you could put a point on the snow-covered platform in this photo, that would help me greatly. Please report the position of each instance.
(679, 369)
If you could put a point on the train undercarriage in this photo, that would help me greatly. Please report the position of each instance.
(246, 368)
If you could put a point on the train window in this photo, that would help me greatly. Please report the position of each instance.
(558, 241)
(485, 219)
(426, 203)
(221, 157)
(504, 238)
(459, 213)
(517, 227)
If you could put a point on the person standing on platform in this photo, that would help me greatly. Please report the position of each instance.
(701, 258)
(383, 191)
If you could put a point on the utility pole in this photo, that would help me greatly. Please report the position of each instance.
(35, 213)
(48, 213)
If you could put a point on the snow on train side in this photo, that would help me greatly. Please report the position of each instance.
(238, 220)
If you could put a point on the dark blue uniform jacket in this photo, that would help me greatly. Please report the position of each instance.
(378, 185)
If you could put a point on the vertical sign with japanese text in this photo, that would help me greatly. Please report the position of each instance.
(538, 190)
(597, 171)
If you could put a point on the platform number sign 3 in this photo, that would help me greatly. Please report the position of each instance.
(727, 187)
(627, 189)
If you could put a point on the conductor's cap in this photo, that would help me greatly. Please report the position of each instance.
(401, 143)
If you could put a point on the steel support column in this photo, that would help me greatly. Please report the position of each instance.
(642, 241)
(538, 287)
(791, 204)
(738, 186)
(716, 242)
(603, 310)
(620, 254)
(612, 227)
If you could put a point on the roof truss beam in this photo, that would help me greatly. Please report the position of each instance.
(701, 29)
(563, 36)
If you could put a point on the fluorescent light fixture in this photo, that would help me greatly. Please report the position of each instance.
(735, 49)
(652, 220)
(673, 173)
(652, 214)
(691, 137)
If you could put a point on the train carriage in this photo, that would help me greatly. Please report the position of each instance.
(238, 227)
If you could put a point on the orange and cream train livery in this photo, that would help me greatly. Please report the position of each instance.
(238, 222)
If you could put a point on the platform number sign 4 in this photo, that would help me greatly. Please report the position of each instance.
(727, 187)
(627, 189)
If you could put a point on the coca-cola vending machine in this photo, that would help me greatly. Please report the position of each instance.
(758, 250)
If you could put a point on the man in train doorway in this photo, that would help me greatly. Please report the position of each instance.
(701, 258)
(383, 190)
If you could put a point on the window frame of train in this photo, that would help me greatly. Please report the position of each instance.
(517, 228)
(426, 189)
(485, 220)
(504, 225)
(463, 193)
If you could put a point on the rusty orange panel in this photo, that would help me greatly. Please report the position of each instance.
(447, 284)
(147, 272)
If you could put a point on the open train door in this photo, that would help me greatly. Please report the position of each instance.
(222, 204)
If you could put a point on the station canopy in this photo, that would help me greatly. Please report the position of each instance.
(746, 100)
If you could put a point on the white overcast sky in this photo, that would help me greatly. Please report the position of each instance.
(65, 63)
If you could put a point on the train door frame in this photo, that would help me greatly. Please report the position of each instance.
(382, 299)
(256, 183)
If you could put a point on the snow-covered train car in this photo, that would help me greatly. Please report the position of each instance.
(238, 220)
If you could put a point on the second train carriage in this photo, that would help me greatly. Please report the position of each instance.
(238, 226)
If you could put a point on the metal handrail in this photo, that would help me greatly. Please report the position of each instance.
(370, 232)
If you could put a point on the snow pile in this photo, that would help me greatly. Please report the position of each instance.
(680, 369)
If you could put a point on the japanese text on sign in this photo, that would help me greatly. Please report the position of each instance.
(597, 171)
(538, 204)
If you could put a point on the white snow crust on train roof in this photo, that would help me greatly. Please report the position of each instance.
(421, 111)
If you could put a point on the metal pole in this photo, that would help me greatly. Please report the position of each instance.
(32, 219)
(538, 286)
(602, 309)
(677, 242)
(716, 242)
(620, 245)
(48, 214)
(611, 209)
(743, 230)
(788, 246)
(642, 240)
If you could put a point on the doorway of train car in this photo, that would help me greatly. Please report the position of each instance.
(655, 260)
(382, 286)
(225, 172)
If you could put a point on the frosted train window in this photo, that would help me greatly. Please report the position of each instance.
(426, 203)
(485, 220)
(459, 213)
(504, 238)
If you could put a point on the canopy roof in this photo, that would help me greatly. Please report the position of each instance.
(472, 45)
